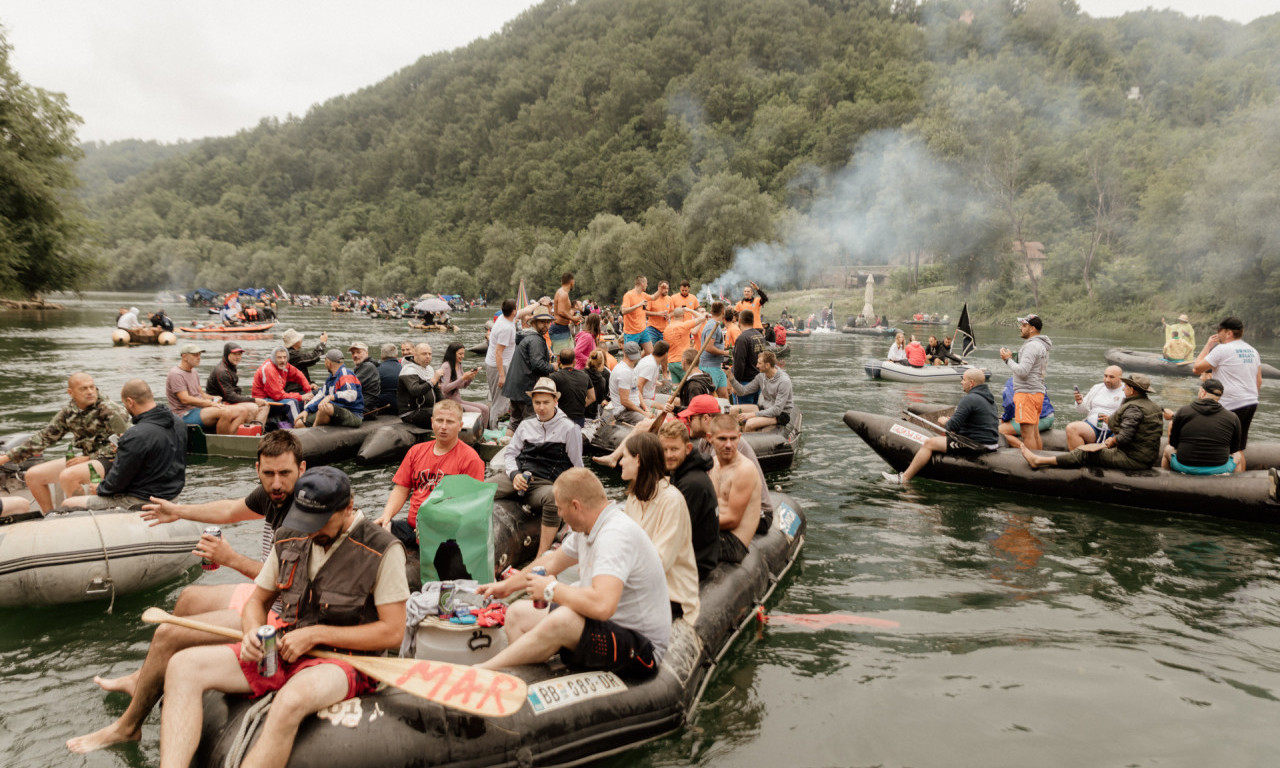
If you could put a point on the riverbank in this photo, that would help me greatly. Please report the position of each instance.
(948, 300)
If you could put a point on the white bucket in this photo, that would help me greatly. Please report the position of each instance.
(440, 640)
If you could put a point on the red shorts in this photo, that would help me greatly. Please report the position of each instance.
(241, 596)
(358, 683)
(1026, 407)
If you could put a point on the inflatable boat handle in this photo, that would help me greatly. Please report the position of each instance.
(455, 686)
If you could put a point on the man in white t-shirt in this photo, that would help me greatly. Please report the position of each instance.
(649, 371)
(623, 392)
(617, 617)
(1239, 368)
(497, 361)
(1102, 401)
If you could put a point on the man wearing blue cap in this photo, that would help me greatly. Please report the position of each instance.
(341, 583)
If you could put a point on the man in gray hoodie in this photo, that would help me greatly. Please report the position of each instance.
(1028, 369)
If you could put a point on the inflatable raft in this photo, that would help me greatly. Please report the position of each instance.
(930, 374)
(567, 719)
(433, 327)
(377, 441)
(1153, 362)
(1258, 455)
(878, 331)
(1242, 496)
(122, 338)
(259, 328)
(83, 556)
(775, 448)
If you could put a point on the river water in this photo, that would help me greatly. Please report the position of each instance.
(1032, 631)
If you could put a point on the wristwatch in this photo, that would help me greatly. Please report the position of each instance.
(549, 591)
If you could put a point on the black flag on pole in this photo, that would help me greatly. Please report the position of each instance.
(964, 341)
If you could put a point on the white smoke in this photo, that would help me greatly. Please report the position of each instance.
(893, 199)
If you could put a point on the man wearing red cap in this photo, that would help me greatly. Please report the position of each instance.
(698, 418)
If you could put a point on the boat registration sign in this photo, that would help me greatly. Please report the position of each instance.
(908, 433)
(787, 520)
(563, 691)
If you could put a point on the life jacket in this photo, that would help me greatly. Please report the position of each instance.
(341, 594)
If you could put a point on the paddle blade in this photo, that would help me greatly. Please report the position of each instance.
(824, 620)
(456, 686)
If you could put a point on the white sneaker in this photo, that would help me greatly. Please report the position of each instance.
(892, 477)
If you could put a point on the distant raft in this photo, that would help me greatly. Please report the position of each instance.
(876, 331)
(1241, 496)
(83, 556)
(257, 328)
(1154, 362)
(929, 374)
(122, 338)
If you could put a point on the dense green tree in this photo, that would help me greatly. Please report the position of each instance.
(40, 219)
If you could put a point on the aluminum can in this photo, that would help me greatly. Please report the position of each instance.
(507, 573)
(205, 562)
(270, 663)
(528, 478)
(538, 602)
(445, 606)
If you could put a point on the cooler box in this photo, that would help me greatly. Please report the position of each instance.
(440, 640)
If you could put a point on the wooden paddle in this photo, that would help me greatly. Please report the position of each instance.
(456, 686)
(961, 439)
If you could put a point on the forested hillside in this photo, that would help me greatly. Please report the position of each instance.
(670, 137)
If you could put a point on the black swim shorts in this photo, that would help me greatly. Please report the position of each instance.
(613, 648)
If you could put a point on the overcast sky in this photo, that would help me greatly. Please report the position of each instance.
(176, 69)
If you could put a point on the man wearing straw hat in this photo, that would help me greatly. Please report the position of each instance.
(1136, 428)
(541, 449)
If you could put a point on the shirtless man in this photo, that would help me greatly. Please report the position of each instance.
(737, 490)
(566, 316)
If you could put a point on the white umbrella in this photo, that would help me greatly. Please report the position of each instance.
(867, 311)
(432, 305)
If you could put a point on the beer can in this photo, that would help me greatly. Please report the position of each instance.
(538, 602)
(528, 478)
(270, 663)
(445, 606)
(205, 562)
(507, 573)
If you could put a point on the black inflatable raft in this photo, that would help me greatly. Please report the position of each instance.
(1258, 455)
(1152, 362)
(1243, 496)
(775, 448)
(877, 331)
(568, 719)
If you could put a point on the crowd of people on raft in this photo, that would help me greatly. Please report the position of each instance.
(695, 498)
(1122, 426)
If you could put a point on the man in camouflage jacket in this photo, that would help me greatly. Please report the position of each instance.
(95, 424)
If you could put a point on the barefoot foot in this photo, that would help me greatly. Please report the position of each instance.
(606, 461)
(125, 684)
(112, 734)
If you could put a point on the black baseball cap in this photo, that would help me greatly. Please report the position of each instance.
(317, 495)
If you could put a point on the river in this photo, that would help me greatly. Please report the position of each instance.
(1033, 631)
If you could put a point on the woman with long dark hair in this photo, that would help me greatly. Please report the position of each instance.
(660, 509)
(586, 341)
(452, 382)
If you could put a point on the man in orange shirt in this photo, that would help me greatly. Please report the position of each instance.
(731, 328)
(753, 298)
(677, 337)
(632, 310)
(684, 299)
(658, 313)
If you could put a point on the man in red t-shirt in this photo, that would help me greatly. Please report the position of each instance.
(425, 466)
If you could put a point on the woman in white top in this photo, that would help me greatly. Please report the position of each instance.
(898, 352)
(660, 509)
